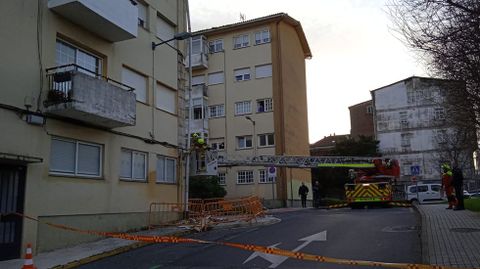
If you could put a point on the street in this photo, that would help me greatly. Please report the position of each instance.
(379, 234)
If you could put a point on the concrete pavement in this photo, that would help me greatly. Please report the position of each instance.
(450, 238)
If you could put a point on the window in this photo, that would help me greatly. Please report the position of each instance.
(142, 14)
(71, 157)
(264, 105)
(166, 99)
(263, 71)
(244, 142)
(441, 137)
(216, 111)
(403, 119)
(68, 54)
(242, 108)
(266, 140)
(136, 81)
(197, 112)
(216, 45)
(262, 37)
(197, 80)
(436, 188)
(133, 165)
(220, 145)
(221, 179)
(406, 140)
(241, 41)
(369, 109)
(166, 169)
(263, 177)
(242, 74)
(439, 113)
(245, 177)
(165, 30)
(215, 78)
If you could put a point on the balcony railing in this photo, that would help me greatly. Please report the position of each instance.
(78, 93)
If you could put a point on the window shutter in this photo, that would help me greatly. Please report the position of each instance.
(170, 170)
(142, 14)
(160, 169)
(263, 71)
(137, 81)
(88, 160)
(215, 78)
(166, 99)
(196, 80)
(165, 30)
(139, 165)
(62, 156)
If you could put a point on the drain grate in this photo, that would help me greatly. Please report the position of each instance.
(465, 230)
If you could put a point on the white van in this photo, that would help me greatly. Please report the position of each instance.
(426, 192)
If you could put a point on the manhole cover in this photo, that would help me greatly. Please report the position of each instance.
(399, 229)
(465, 230)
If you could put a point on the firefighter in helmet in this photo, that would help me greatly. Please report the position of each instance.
(447, 185)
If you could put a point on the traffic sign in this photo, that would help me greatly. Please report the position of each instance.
(415, 170)
(272, 172)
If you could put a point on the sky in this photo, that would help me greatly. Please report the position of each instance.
(354, 51)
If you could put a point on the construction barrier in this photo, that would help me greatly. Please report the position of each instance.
(393, 204)
(248, 247)
(203, 213)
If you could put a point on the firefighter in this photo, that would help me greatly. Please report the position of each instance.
(447, 185)
(303, 192)
(457, 180)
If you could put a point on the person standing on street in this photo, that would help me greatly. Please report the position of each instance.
(447, 185)
(303, 191)
(458, 184)
(316, 194)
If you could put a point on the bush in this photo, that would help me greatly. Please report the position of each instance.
(205, 187)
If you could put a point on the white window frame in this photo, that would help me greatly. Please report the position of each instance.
(245, 177)
(263, 177)
(243, 108)
(263, 71)
(216, 78)
(162, 175)
(241, 41)
(77, 58)
(243, 141)
(142, 14)
(75, 170)
(222, 179)
(216, 111)
(220, 145)
(403, 119)
(242, 74)
(262, 37)
(132, 172)
(215, 46)
(264, 105)
(267, 142)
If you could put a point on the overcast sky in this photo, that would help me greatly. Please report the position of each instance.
(353, 50)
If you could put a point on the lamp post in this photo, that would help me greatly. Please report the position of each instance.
(253, 140)
(177, 36)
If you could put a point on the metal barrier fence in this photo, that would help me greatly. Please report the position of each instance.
(205, 212)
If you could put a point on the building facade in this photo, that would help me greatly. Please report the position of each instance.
(326, 145)
(92, 116)
(411, 124)
(361, 120)
(249, 98)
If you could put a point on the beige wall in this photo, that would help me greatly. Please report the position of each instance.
(50, 196)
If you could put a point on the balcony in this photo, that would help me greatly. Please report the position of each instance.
(112, 20)
(199, 53)
(200, 90)
(79, 94)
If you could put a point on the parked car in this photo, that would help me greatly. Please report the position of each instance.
(466, 194)
(424, 192)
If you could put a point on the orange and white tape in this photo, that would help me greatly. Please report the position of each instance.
(267, 250)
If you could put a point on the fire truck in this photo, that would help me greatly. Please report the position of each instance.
(373, 184)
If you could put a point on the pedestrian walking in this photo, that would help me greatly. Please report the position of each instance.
(457, 177)
(447, 185)
(316, 194)
(303, 192)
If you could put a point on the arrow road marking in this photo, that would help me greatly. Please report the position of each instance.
(276, 260)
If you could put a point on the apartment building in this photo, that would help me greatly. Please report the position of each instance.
(414, 125)
(361, 119)
(90, 118)
(249, 98)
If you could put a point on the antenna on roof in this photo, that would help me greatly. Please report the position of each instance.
(242, 17)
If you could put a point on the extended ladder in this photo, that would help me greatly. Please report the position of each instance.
(299, 161)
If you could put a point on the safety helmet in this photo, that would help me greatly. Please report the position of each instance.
(446, 167)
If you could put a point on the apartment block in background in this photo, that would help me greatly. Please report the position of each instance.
(249, 98)
(90, 135)
(411, 124)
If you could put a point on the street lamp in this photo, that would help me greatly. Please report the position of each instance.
(254, 140)
(177, 36)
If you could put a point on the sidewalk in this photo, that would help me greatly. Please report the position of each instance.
(88, 252)
(450, 238)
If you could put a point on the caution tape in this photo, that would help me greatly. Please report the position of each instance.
(267, 250)
(338, 205)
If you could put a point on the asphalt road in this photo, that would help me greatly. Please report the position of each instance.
(380, 234)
